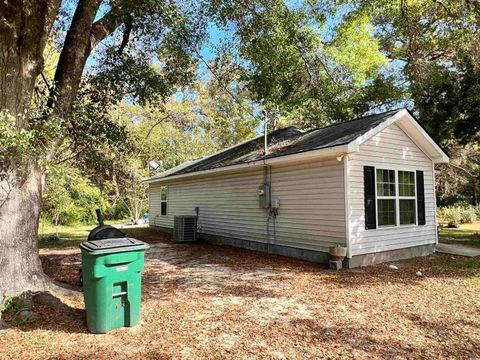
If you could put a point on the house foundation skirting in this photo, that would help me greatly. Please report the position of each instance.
(391, 255)
(297, 253)
(313, 255)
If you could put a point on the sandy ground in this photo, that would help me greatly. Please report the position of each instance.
(202, 301)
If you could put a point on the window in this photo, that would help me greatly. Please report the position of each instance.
(386, 201)
(396, 198)
(163, 200)
(406, 194)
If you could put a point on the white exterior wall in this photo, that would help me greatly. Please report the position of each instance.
(311, 214)
(390, 149)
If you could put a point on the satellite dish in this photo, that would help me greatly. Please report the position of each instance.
(153, 165)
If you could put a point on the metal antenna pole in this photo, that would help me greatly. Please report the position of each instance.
(265, 123)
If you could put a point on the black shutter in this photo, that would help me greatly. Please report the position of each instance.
(369, 186)
(420, 198)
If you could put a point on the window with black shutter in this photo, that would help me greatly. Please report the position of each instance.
(393, 197)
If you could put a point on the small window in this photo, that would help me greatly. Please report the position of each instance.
(385, 182)
(407, 212)
(163, 200)
(386, 212)
(406, 183)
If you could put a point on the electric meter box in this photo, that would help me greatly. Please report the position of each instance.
(264, 196)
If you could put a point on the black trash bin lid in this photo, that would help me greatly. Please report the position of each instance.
(114, 245)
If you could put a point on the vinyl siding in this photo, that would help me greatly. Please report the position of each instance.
(311, 215)
(390, 149)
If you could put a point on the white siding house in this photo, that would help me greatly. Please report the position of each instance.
(319, 179)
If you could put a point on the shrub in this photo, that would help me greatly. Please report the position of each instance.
(70, 198)
(468, 215)
(119, 211)
(456, 215)
(477, 211)
(450, 215)
(17, 311)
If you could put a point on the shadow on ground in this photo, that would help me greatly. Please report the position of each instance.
(48, 313)
(207, 301)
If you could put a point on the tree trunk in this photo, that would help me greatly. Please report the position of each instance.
(19, 216)
(24, 29)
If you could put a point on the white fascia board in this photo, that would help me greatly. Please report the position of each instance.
(306, 155)
(440, 156)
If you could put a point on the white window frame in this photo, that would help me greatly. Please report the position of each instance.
(164, 201)
(397, 197)
(414, 198)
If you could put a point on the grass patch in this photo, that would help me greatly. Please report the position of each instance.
(48, 240)
(12, 305)
(10, 309)
(62, 236)
(65, 236)
(466, 234)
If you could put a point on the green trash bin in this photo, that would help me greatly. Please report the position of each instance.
(112, 282)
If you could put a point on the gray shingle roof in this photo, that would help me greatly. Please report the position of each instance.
(286, 142)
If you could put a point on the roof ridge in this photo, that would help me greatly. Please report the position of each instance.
(356, 119)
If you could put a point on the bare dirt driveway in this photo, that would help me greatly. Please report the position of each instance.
(202, 301)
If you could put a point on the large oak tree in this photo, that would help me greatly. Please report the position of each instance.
(135, 34)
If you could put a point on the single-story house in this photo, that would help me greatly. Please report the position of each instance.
(367, 184)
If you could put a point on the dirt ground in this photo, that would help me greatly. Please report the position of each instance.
(202, 301)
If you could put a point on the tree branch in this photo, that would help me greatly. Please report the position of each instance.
(307, 65)
(126, 35)
(159, 121)
(71, 156)
(45, 80)
(327, 71)
(106, 26)
(465, 171)
(82, 37)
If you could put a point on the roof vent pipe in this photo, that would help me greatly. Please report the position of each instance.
(265, 134)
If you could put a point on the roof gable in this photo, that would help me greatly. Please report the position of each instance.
(410, 125)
